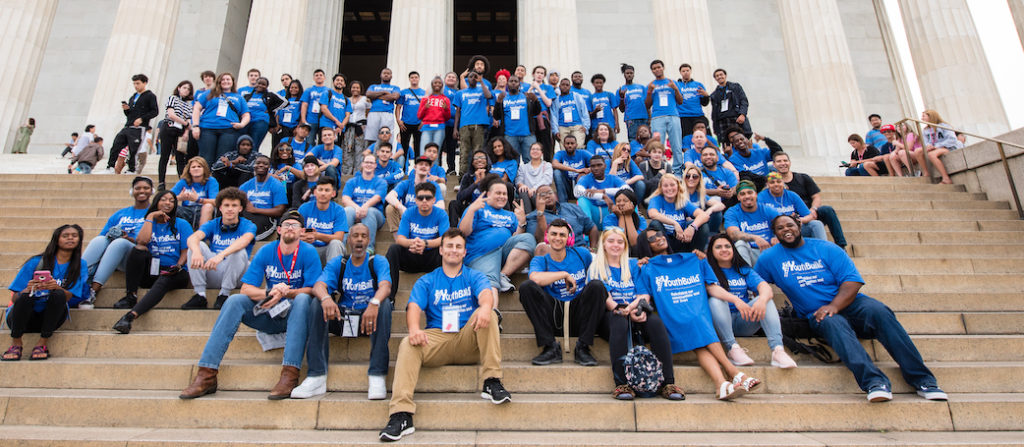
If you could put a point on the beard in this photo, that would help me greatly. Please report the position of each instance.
(289, 239)
(797, 241)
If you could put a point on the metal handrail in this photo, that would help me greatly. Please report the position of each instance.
(999, 144)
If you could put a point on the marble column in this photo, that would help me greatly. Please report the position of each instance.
(825, 93)
(322, 44)
(274, 40)
(696, 49)
(1017, 10)
(549, 34)
(25, 35)
(954, 74)
(421, 39)
(899, 73)
(140, 42)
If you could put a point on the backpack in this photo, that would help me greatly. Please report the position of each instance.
(335, 326)
(642, 367)
(795, 327)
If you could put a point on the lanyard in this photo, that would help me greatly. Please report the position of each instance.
(287, 273)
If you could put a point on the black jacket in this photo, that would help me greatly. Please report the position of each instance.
(143, 106)
(737, 101)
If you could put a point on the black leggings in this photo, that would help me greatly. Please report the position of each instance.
(407, 137)
(137, 274)
(22, 317)
(586, 313)
(448, 147)
(652, 330)
(169, 145)
(400, 258)
(128, 136)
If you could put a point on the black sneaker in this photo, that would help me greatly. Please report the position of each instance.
(129, 301)
(124, 325)
(551, 354)
(494, 391)
(196, 302)
(498, 313)
(399, 425)
(220, 301)
(583, 356)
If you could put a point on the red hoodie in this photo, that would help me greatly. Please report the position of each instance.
(436, 109)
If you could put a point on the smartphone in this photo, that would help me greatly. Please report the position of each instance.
(308, 230)
(42, 275)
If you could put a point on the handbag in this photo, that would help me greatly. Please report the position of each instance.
(182, 145)
(642, 367)
(796, 327)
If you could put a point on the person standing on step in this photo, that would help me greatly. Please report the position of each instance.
(263, 106)
(382, 108)
(326, 223)
(695, 97)
(407, 108)
(290, 267)
(363, 282)
(663, 99)
(268, 198)
(823, 285)
(458, 303)
(218, 252)
(171, 128)
(418, 236)
(471, 117)
(631, 102)
(311, 105)
(41, 302)
(109, 251)
(218, 117)
(336, 109)
(139, 109)
(728, 106)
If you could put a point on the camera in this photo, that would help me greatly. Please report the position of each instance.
(643, 306)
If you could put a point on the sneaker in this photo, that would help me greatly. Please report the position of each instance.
(220, 301)
(312, 386)
(583, 356)
(377, 390)
(624, 392)
(494, 391)
(129, 301)
(107, 171)
(879, 393)
(124, 325)
(728, 391)
(672, 392)
(932, 392)
(550, 354)
(90, 302)
(746, 382)
(738, 356)
(505, 284)
(782, 360)
(196, 302)
(400, 424)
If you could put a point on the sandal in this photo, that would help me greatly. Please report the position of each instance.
(624, 392)
(40, 353)
(672, 392)
(727, 391)
(13, 354)
(746, 382)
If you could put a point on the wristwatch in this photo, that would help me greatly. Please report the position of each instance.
(375, 302)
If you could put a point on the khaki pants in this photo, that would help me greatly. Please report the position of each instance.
(577, 131)
(471, 138)
(393, 216)
(465, 347)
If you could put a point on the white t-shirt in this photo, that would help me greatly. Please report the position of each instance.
(83, 140)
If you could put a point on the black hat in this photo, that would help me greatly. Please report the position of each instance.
(310, 159)
(423, 158)
(291, 215)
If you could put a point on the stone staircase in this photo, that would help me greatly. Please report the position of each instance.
(947, 261)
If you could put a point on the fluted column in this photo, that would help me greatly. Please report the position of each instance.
(548, 34)
(421, 39)
(322, 46)
(140, 42)
(952, 70)
(825, 93)
(1017, 10)
(274, 39)
(24, 37)
(696, 49)
(899, 74)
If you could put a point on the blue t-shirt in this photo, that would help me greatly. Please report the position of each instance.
(215, 116)
(516, 116)
(299, 269)
(635, 95)
(491, 228)
(610, 101)
(207, 190)
(605, 150)
(243, 90)
(79, 290)
(167, 245)
(789, 203)
(289, 115)
(450, 93)
(612, 220)
(287, 176)
(392, 173)
(129, 219)
(410, 102)
(472, 106)
(577, 261)
(677, 284)
(669, 209)
(691, 99)
(720, 177)
(509, 167)
(417, 226)
(663, 99)
(326, 155)
(712, 141)
(219, 240)
(757, 222)
(626, 172)
(622, 291)
(568, 112)
(357, 286)
(742, 283)
(585, 94)
(580, 158)
(329, 221)
(311, 97)
(299, 149)
(257, 108)
(380, 105)
(338, 104)
(265, 195)
(692, 155)
(361, 190)
(610, 181)
(757, 162)
(435, 293)
(406, 191)
(875, 138)
(809, 275)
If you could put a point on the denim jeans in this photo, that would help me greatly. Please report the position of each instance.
(104, 257)
(216, 142)
(257, 130)
(827, 216)
(748, 251)
(238, 309)
(318, 345)
(668, 126)
(640, 189)
(857, 171)
(84, 168)
(715, 222)
(633, 125)
(730, 324)
(374, 220)
(595, 212)
(563, 185)
(490, 263)
(522, 145)
(432, 136)
(866, 317)
(814, 229)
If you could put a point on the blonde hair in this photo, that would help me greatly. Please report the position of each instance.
(600, 268)
(701, 193)
(202, 162)
(618, 151)
(680, 190)
(935, 118)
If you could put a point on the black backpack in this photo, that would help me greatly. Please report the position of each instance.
(795, 327)
(335, 326)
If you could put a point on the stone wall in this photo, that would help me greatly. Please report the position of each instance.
(980, 168)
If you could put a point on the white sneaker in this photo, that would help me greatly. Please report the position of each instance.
(782, 360)
(738, 356)
(107, 171)
(879, 393)
(312, 386)
(378, 389)
(505, 283)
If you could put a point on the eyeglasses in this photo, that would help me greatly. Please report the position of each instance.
(424, 197)
(291, 226)
(655, 237)
(480, 157)
(545, 193)
(692, 176)
(384, 132)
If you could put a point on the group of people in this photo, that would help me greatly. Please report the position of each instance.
(888, 149)
(680, 256)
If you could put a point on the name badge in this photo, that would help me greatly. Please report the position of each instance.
(316, 107)
(222, 107)
(154, 266)
(567, 115)
(725, 105)
(600, 114)
(663, 99)
(450, 320)
(176, 125)
(514, 113)
(351, 322)
(287, 117)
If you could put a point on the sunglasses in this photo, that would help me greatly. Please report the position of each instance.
(424, 197)
(655, 237)
(692, 176)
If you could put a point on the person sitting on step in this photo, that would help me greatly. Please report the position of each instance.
(109, 251)
(363, 198)
(196, 191)
(235, 167)
(268, 198)
(419, 236)
(547, 208)
(218, 251)
(403, 196)
(803, 185)
(788, 202)
(748, 223)
(326, 223)
(495, 244)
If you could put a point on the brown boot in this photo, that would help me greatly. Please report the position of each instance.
(289, 380)
(204, 383)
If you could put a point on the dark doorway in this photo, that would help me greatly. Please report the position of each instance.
(364, 41)
(487, 28)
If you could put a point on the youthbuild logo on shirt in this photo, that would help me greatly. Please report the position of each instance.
(420, 229)
(449, 297)
(497, 219)
(748, 228)
(664, 281)
(272, 272)
(792, 266)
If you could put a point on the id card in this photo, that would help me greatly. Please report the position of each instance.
(514, 113)
(663, 99)
(450, 320)
(600, 113)
(176, 125)
(316, 107)
(280, 310)
(222, 107)
(287, 117)
(351, 323)
(154, 266)
(567, 115)
(725, 105)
